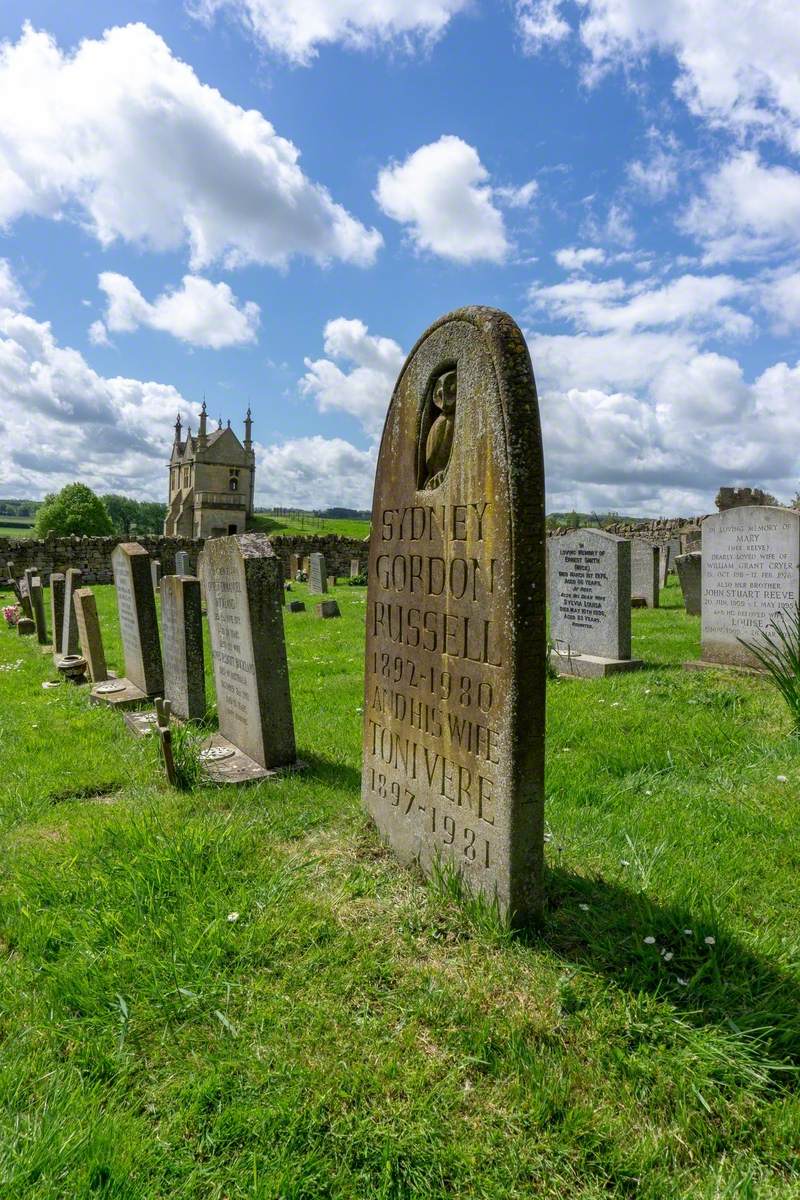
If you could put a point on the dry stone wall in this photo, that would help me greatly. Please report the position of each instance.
(92, 555)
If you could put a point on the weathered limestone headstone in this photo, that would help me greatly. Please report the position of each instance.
(69, 626)
(328, 608)
(644, 572)
(306, 565)
(182, 566)
(689, 568)
(317, 578)
(355, 568)
(136, 606)
(294, 565)
(25, 585)
(26, 627)
(244, 592)
(663, 563)
(89, 635)
(37, 604)
(750, 572)
(58, 585)
(331, 582)
(674, 545)
(24, 598)
(455, 656)
(590, 603)
(155, 573)
(182, 633)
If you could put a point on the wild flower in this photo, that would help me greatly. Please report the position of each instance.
(668, 956)
(710, 941)
(781, 778)
(583, 907)
(649, 941)
(688, 932)
(683, 982)
(234, 916)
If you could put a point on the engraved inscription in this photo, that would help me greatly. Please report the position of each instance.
(750, 573)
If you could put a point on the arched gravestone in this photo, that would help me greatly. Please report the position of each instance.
(455, 656)
(750, 571)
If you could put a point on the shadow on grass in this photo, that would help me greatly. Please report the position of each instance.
(607, 927)
(337, 774)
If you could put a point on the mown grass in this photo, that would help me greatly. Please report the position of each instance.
(358, 1032)
(312, 526)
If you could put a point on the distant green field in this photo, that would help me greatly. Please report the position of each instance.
(311, 527)
(17, 530)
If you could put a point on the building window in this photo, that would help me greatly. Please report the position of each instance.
(233, 483)
(186, 475)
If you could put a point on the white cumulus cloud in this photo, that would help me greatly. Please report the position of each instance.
(297, 28)
(573, 258)
(738, 60)
(539, 23)
(199, 312)
(691, 301)
(365, 390)
(124, 137)
(748, 209)
(315, 472)
(441, 193)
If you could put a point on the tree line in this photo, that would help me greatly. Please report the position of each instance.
(76, 509)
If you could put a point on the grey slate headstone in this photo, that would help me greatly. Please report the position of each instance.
(244, 593)
(58, 588)
(37, 603)
(663, 563)
(155, 572)
(317, 578)
(69, 627)
(182, 636)
(590, 603)
(644, 572)
(296, 606)
(137, 618)
(328, 608)
(355, 568)
(89, 636)
(453, 753)
(182, 566)
(689, 568)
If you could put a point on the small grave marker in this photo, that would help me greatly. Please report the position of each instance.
(689, 567)
(244, 591)
(590, 603)
(182, 634)
(37, 603)
(144, 677)
(69, 625)
(317, 578)
(644, 573)
(89, 636)
(328, 608)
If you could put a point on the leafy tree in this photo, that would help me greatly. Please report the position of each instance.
(76, 509)
(141, 516)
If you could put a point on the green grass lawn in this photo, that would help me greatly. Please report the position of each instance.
(357, 1032)
(311, 527)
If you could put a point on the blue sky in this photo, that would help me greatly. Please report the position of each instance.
(267, 201)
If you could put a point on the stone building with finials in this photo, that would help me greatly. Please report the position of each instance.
(211, 481)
